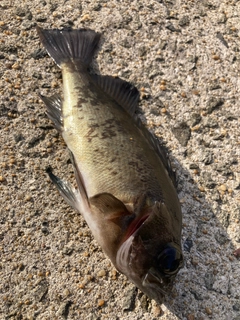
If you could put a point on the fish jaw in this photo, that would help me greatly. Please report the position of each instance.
(151, 257)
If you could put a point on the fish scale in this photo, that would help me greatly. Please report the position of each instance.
(105, 132)
(126, 187)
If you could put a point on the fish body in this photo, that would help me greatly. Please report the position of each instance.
(126, 189)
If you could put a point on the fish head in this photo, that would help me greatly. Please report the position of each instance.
(151, 256)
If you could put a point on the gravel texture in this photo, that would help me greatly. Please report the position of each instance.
(184, 57)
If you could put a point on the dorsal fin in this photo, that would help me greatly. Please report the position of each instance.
(123, 92)
(127, 96)
(159, 148)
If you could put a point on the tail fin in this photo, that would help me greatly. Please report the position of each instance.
(64, 45)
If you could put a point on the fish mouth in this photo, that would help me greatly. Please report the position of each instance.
(153, 281)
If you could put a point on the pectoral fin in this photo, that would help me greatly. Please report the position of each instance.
(71, 196)
(111, 208)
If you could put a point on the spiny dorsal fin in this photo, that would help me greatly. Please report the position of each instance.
(121, 91)
(159, 148)
(54, 109)
(127, 96)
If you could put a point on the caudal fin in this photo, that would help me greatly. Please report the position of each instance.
(77, 45)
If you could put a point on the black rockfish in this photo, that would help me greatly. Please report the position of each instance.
(126, 189)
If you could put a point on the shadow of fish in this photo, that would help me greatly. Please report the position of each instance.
(126, 189)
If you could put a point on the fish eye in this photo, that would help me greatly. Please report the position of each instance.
(170, 260)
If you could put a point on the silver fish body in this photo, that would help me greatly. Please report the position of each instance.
(126, 189)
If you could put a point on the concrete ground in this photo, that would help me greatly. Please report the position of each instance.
(184, 57)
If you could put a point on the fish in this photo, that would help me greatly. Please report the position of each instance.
(126, 187)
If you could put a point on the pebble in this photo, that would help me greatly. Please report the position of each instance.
(129, 299)
(236, 306)
(66, 293)
(157, 311)
(237, 253)
(209, 280)
(221, 238)
(2, 179)
(188, 243)
(213, 103)
(222, 188)
(184, 21)
(208, 311)
(64, 309)
(101, 303)
(28, 197)
(101, 273)
(182, 133)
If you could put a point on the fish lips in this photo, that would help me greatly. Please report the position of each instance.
(154, 285)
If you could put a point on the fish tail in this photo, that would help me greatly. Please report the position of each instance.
(78, 46)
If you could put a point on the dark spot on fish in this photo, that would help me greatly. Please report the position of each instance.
(81, 118)
(82, 87)
(112, 160)
(135, 164)
(89, 135)
(109, 121)
(79, 88)
(132, 163)
(81, 101)
(108, 133)
(90, 131)
(93, 102)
